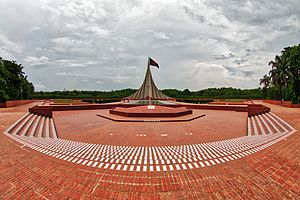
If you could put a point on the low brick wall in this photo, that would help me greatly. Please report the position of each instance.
(157, 112)
(227, 103)
(47, 110)
(284, 103)
(8, 104)
(238, 108)
(41, 110)
(252, 109)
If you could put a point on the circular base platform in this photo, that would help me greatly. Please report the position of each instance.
(151, 111)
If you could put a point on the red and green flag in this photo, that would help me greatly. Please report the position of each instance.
(153, 63)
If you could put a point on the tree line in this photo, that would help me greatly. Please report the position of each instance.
(82, 94)
(283, 80)
(13, 83)
(222, 93)
(232, 93)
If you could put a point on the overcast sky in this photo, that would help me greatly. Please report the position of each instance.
(104, 45)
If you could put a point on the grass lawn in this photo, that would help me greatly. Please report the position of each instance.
(62, 100)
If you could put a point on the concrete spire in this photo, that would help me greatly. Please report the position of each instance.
(148, 90)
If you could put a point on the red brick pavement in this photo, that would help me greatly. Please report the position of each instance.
(88, 127)
(269, 174)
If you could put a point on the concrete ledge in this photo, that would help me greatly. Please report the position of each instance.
(252, 109)
(143, 111)
(8, 104)
(150, 120)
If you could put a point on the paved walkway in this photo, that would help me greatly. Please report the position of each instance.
(272, 172)
(86, 126)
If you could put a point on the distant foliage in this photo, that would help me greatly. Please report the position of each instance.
(101, 100)
(223, 93)
(13, 83)
(283, 82)
(196, 101)
(87, 95)
(116, 95)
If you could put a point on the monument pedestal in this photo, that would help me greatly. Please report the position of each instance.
(151, 111)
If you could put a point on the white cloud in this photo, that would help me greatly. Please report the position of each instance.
(160, 35)
(38, 86)
(6, 55)
(99, 31)
(99, 82)
(8, 48)
(32, 60)
(63, 63)
(70, 74)
(108, 42)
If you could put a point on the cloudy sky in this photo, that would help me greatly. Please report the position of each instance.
(104, 44)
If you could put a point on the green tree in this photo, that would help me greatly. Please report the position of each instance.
(292, 57)
(265, 81)
(3, 85)
(13, 84)
(279, 74)
(186, 92)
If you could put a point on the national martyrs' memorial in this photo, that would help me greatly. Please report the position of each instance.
(146, 142)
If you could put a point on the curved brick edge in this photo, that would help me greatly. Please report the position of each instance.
(143, 111)
(155, 158)
(149, 120)
(251, 109)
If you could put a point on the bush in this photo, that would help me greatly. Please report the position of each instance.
(295, 100)
(196, 101)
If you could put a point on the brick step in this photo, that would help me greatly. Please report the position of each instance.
(250, 127)
(21, 125)
(41, 128)
(153, 158)
(28, 125)
(254, 125)
(53, 129)
(279, 125)
(271, 123)
(267, 123)
(33, 125)
(14, 125)
(269, 129)
(286, 125)
(46, 128)
(266, 126)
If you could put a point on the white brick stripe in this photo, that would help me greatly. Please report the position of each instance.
(155, 159)
(41, 127)
(25, 130)
(265, 124)
(36, 122)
